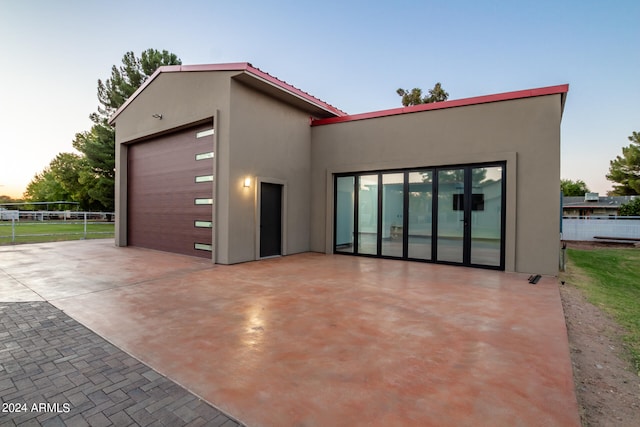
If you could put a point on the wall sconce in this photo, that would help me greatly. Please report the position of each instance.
(157, 116)
(247, 182)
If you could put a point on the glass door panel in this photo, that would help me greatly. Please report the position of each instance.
(392, 218)
(486, 215)
(368, 214)
(344, 213)
(451, 218)
(420, 214)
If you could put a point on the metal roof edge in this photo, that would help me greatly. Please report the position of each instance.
(256, 72)
(234, 66)
(484, 99)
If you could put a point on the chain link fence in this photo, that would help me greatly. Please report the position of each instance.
(47, 226)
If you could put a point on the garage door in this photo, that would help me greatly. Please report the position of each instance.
(170, 192)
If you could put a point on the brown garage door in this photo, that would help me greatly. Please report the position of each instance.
(170, 192)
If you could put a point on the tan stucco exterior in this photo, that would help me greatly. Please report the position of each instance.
(257, 137)
(271, 142)
(263, 132)
(523, 132)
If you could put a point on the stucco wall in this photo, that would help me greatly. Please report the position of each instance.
(270, 140)
(523, 132)
(182, 99)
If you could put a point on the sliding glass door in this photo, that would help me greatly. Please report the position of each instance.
(420, 213)
(486, 215)
(368, 214)
(344, 216)
(452, 215)
(392, 214)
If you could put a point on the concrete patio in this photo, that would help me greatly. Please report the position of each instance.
(316, 340)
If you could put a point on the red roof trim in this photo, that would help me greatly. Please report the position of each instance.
(507, 96)
(235, 66)
(300, 93)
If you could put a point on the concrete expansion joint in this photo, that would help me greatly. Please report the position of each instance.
(12, 277)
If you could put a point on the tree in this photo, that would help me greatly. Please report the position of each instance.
(625, 169)
(631, 208)
(98, 144)
(90, 178)
(573, 188)
(127, 78)
(8, 199)
(60, 181)
(414, 96)
(97, 176)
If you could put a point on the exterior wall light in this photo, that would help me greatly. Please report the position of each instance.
(247, 182)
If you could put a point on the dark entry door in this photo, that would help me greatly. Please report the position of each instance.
(270, 219)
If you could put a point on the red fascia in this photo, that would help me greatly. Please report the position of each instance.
(284, 85)
(507, 96)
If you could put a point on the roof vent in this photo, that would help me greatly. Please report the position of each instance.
(591, 197)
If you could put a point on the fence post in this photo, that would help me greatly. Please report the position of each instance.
(85, 225)
(13, 229)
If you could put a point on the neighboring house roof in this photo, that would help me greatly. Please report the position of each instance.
(603, 202)
(251, 76)
(507, 96)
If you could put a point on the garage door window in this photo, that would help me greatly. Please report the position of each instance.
(204, 156)
(202, 224)
(204, 178)
(204, 133)
(203, 201)
(203, 247)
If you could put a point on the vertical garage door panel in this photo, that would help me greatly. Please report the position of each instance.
(162, 190)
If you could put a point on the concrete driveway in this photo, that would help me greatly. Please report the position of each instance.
(317, 340)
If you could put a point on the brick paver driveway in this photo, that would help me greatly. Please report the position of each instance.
(56, 372)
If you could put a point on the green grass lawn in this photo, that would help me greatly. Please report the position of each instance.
(53, 231)
(610, 279)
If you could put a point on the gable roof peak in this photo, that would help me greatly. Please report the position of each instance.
(246, 68)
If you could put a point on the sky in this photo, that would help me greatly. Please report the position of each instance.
(351, 54)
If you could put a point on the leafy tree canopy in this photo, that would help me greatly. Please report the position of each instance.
(631, 208)
(625, 169)
(59, 182)
(573, 188)
(414, 96)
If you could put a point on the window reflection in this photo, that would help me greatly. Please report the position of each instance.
(344, 213)
(392, 217)
(420, 214)
(486, 223)
(368, 214)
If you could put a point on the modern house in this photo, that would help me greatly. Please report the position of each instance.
(230, 163)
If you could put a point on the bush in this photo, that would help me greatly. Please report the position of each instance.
(631, 209)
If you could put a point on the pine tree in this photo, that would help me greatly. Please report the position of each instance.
(625, 169)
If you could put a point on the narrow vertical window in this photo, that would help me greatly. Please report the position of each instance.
(344, 213)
